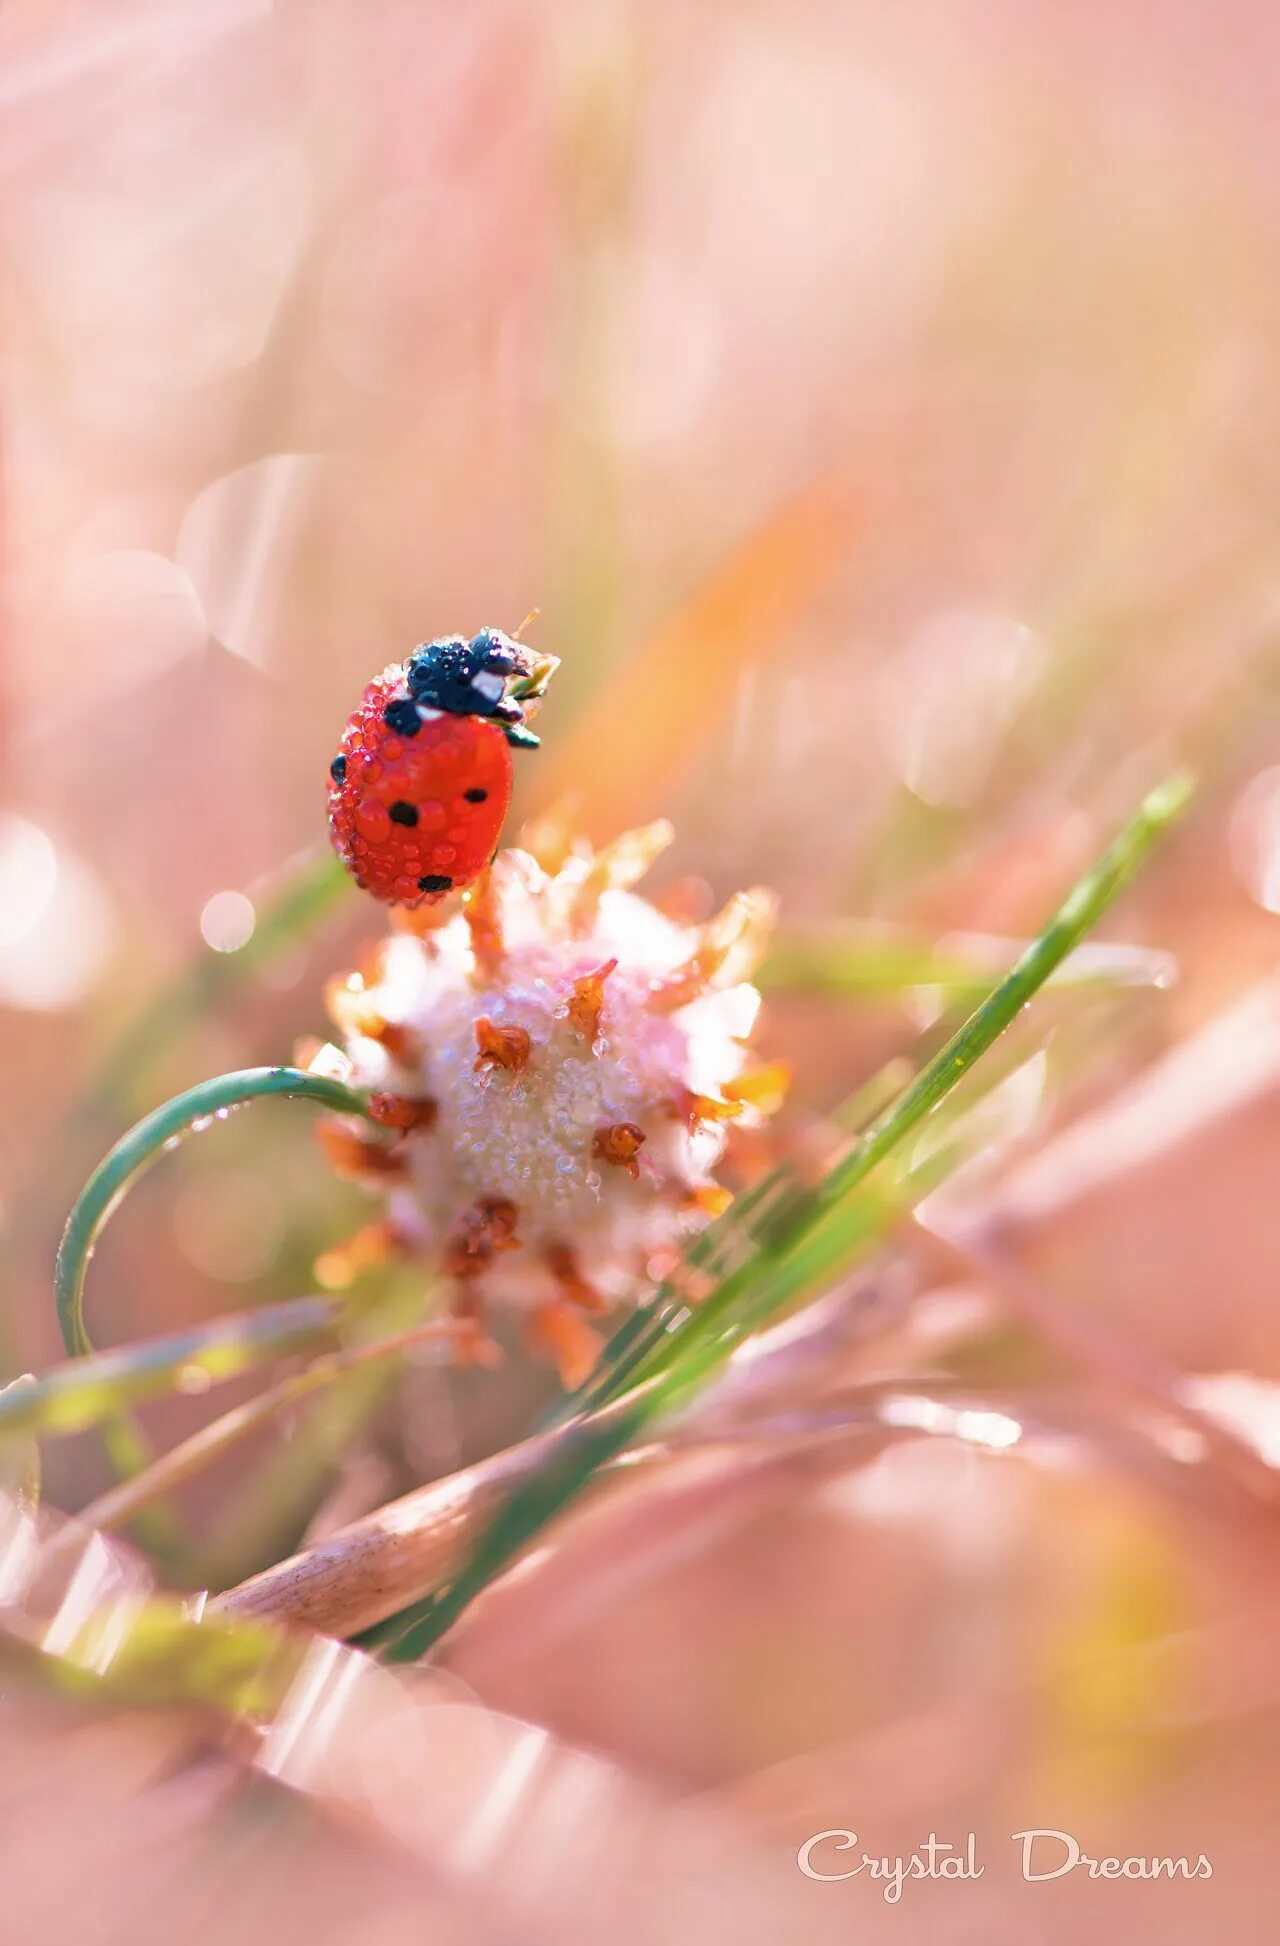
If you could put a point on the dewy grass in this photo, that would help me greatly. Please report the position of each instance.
(85, 1391)
(147, 1139)
(112, 1178)
(804, 1238)
(1077, 915)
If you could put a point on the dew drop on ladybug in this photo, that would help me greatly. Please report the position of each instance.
(421, 784)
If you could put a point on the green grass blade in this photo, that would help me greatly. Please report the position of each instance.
(1078, 913)
(148, 1138)
(87, 1391)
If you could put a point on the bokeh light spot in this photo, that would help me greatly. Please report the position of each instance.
(227, 922)
(28, 874)
(55, 920)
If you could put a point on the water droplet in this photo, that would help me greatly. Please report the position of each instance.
(373, 820)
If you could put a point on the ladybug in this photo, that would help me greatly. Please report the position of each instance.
(419, 790)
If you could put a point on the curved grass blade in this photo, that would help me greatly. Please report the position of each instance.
(146, 1140)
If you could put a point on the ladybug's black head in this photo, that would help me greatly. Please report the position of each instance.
(465, 678)
(491, 675)
(469, 678)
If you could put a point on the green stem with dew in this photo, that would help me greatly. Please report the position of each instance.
(114, 1176)
(146, 1140)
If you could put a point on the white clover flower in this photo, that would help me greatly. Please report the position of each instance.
(559, 1061)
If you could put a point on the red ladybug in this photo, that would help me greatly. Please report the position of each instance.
(420, 788)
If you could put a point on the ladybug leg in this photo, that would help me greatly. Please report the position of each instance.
(507, 710)
(494, 661)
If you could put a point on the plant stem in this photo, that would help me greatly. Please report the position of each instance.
(164, 1127)
(135, 1151)
(85, 1391)
(129, 1498)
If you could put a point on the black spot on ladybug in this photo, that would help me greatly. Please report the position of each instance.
(435, 882)
(476, 796)
(402, 717)
(402, 813)
(338, 769)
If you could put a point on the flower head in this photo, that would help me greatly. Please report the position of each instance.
(558, 1063)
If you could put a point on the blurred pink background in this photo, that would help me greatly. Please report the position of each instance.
(880, 404)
